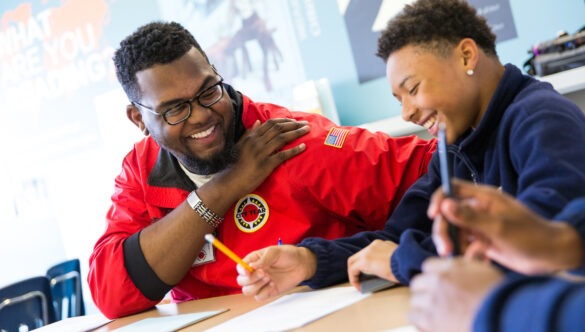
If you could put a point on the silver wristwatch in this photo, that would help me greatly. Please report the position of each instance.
(210, 217)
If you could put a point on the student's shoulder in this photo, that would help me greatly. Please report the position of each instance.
(537, 95)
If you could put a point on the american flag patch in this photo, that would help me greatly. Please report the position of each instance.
(336, 137)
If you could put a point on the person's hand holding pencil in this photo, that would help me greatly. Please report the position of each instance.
(277, 269)
(446, 245)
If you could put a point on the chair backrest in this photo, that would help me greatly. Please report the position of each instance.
(27, 302)
(65, 279)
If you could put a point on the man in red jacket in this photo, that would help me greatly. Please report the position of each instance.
(214, 161)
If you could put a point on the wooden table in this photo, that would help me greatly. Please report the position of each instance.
(382, 310)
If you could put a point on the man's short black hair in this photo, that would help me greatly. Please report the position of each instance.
(153, 43)
(436, 25)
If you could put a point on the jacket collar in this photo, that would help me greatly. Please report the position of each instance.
(512, 82)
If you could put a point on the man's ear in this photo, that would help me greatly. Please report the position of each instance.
(134, 115)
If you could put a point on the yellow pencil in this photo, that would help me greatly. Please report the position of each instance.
(211, 239)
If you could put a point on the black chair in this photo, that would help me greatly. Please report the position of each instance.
(27, 302)
(65, 280)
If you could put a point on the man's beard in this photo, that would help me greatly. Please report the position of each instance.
(216, 163)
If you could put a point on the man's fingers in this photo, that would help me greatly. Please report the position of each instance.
(465, 189)
(441, 236)
(255, 288)
(285, 155)
(276, 139)
(435, 264)
(436, 200)
(477, 251)
(460, 213)
(466, 216)
(273, 127)
(267, 291)
(353, 272)
(268, 140)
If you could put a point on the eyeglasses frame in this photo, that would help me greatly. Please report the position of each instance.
(189, 102)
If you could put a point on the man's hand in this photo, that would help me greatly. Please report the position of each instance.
(277, 269)
(260, 149)
(504, 230)
(373, 259)
(447, 294)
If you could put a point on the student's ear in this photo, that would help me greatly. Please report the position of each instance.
(469, 53)
(134, 115)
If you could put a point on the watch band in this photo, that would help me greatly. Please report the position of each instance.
(210, 217)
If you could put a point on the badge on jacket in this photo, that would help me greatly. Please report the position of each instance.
(251, 213)
(207, 255)
(336, 137)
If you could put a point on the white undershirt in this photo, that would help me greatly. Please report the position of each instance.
(199, 180)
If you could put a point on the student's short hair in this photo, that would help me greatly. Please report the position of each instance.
(436, 25)
(153, 43)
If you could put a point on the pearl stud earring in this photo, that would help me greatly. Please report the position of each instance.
(470, 72)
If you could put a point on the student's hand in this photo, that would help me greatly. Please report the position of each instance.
(277, 269)
(441, 238)
(259, 150)
(506, 231)
(373, 259)
(447, 294)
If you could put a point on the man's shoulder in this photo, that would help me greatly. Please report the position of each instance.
(146, 144)
(262, 111)
(145, 149)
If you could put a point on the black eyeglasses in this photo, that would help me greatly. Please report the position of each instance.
(182, 111)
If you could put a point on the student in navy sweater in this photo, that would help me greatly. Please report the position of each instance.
(467, 294)
(504, 129)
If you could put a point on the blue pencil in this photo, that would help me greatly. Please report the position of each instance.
(445, 168)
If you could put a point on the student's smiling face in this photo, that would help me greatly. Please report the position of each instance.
(433, 88)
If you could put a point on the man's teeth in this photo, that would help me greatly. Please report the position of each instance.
(430, 122)
(203, 134)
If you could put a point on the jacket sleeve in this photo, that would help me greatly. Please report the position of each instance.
(574, 214)
(112, 288)
(533, 304)
(408, 226)
(539, 303)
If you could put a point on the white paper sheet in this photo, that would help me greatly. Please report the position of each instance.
(76, 324)
(293, 311)
(168, 323)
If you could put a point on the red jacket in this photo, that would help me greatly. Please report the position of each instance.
(345, 181)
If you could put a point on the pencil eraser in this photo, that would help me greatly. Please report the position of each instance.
(209, 238)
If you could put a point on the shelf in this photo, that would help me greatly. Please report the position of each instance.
(394, 126)
(567, 81)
